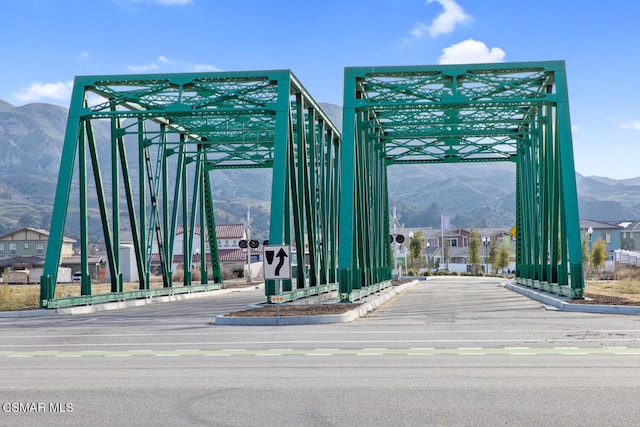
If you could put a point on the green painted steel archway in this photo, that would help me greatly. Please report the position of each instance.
(516, 112)
(333, 192)
(178, 128)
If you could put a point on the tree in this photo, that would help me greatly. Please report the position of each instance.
(446, 246)
(494, 254)
(585, 252)
(474, 257)
(598, 255)
(416, 245)
(502, 258)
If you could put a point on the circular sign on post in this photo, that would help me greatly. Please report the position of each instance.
(254, 244)
(242, 244)
(400, 238)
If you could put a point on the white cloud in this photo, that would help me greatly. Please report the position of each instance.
(84, 55)
(163, 62)
(471, 51)
(203, 68)
(58, 91)
(444, 23)
(142, 68)
(631, 125)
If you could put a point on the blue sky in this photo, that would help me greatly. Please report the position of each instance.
(48, 42)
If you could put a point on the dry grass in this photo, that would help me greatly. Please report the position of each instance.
(626, 288)
(27, 297)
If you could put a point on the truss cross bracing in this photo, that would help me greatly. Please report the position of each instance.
(516, 112)
(161, 136)
(149, 143)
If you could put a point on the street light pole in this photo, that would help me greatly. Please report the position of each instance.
(248, 228)
(590, 231)
(485, 243)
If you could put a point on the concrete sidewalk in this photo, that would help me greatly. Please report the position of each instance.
(567, 304)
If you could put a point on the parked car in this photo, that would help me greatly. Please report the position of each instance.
(77, 276)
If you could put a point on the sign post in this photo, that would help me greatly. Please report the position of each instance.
(277, 266)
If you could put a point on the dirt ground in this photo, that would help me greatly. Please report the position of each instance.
(605, 293)
(295, 310)
(612, 292)
(25, 297)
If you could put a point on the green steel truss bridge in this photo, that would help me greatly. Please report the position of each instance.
(330, 191)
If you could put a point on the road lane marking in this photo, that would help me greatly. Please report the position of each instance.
(414, 351)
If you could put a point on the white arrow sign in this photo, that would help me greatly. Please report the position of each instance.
(277, 262)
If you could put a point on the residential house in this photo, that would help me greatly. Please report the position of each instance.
(228, 239)
(629, 236)
(25, 250)
(610, 233)
(458, 245)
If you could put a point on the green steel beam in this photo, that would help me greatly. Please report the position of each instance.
(176, 128)
(515, 112)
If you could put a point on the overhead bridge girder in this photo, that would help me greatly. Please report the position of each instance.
(461, 113)
(178, 128)
(162, 136)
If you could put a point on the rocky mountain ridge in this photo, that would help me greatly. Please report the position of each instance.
(478, 195)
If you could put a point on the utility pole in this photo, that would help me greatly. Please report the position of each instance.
(248, 228)
(394, 221)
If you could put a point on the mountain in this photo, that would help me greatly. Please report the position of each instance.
(473, 195)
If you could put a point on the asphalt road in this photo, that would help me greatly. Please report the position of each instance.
(446, 352)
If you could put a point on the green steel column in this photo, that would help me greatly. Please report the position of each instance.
(519, 216)
(280, 184)
(347, 189)
(310, 194)
(63, 189)
(168, 235)
(194, 205)
(116, 282)
(85, 281)
(102, 205)
(187, 234)
(570, 192)
(297, 175)
(216, 271)
(142, 206)
(335, 188)
(204, 276)
(133, 220)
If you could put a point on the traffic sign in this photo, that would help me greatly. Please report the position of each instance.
(277, 262)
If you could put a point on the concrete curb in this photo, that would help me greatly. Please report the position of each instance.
(118, 305)
(564, 304)
(377, 301)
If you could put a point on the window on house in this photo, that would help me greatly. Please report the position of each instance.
(453, 243)
(39, 248)
(26, 245)
(13, 249)
(1, 249)
(607, 237)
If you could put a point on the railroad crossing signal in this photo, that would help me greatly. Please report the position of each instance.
(277, 262)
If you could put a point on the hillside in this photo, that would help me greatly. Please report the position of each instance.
(478, 195)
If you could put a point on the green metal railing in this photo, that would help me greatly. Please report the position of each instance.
(125, 296)
(325, 185)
